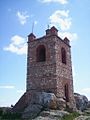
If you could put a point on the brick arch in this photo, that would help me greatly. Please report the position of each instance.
(41, 53)
(63, 55)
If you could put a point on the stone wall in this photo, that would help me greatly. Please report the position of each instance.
(64, 71)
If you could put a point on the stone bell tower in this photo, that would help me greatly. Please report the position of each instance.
(49, 66)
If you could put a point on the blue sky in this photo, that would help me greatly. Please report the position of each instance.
(72, 19)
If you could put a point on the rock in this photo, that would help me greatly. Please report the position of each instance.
(51, 115)
(45, 118)
(32, 111)
(88, 104)
(55, 113)
(82, 118)
(47, 100)
(39, 101)
(61, 104)
(81, 101)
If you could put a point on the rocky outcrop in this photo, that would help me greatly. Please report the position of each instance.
(39, 101)
(46, 106)
(32, 111)
(43, 101)
(82, 118)
(81, 101)
(32, 103)
(51, 115)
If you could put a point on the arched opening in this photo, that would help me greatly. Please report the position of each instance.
(66, 91)
(63, 55)
(41, 53)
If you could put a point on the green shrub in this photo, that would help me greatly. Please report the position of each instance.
(1, 112)
(71, 116)
(11, 116)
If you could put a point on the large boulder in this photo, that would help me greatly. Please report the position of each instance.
(44, 99)
(38, 102)
(32, 111)
(81, 101)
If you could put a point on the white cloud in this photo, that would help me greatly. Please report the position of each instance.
(70, 36)
(22, 17)
(60, 18)
(57, 1)
(7, 86)
(17, 40)
(18, 45)
(86, 91)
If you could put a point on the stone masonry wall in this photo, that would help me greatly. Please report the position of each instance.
(64, 72)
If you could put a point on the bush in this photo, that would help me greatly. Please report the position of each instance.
(11, 116)
(1, 112)
(71, 116)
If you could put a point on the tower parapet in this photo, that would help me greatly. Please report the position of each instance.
(52, 31)
(31, 37)
(67, 41)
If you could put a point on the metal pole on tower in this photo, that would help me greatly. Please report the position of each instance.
(32, 27)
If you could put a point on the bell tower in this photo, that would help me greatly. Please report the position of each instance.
(49, 66)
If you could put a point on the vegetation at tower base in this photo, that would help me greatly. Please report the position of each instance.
(7, 114)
